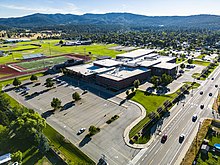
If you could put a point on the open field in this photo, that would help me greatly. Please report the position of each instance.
(48, 48)
(17, 47)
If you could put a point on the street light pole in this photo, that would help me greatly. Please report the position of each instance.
(64, 131)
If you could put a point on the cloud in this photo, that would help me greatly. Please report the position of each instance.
(65, 9)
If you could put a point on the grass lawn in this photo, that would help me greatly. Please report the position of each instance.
(18, 47)
(197, 75)
(195, 85)
(203, 160)
(193, 150)
(71, 153)
(203, 63)
(48, 48)
(150, 102)
(22, 78)
(43, 63)
(200, 56)
(179, 60)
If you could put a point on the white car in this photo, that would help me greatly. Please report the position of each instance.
(81, 130)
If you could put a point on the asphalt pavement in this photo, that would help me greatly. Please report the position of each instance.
(180, 121)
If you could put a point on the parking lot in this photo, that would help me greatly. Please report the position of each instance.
(90, 110)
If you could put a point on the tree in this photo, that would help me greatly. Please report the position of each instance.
(49, 83)
(56, 103)
(16, 82)
(166, 79)
(132, 89)
(136, 83)
(182, 66)
(127, 92)
(4, 120)
(93, 130)
(42, 143)
(76, 96)
(190, 61)
(4, 102)
(33, 77)
(27, 125)
(156, 81)
(17, 156)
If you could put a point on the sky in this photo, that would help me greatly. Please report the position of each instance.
(18, 8)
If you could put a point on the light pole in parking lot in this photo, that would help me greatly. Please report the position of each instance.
(64, 132)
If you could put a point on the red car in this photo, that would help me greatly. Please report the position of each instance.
(164, 138)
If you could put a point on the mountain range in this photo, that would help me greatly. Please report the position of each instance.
(126, 19)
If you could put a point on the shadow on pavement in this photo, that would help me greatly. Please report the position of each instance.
(35, 94)
(47, 114)
(68, 105)
(85, 140)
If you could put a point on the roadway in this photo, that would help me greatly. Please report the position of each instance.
(180, 121)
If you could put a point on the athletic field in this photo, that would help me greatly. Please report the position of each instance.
(40, 63)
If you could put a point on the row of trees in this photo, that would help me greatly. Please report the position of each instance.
(56, 103)
(163, 80)
(21, 124)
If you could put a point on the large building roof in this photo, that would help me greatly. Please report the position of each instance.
(123, 73)
(88, 69)
(107, 63)
(136, 53)
(147, 63)
(165, 65)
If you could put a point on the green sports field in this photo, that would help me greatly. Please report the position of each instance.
(49, 48)
(42, 63)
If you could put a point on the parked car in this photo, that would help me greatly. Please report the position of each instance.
(210, 94)
(212, 78)
(81, 131)
(18, 90)
(216, 86)
(84, 92)
(201, 92)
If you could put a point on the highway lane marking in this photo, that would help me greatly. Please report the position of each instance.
(151, 161)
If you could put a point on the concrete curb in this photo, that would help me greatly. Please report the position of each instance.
(128, 129)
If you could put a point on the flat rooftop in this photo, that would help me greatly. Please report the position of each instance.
(107, 63)
(123, 73)
(147, 63)
(136, 53)
(88, 69)
(165, 65)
